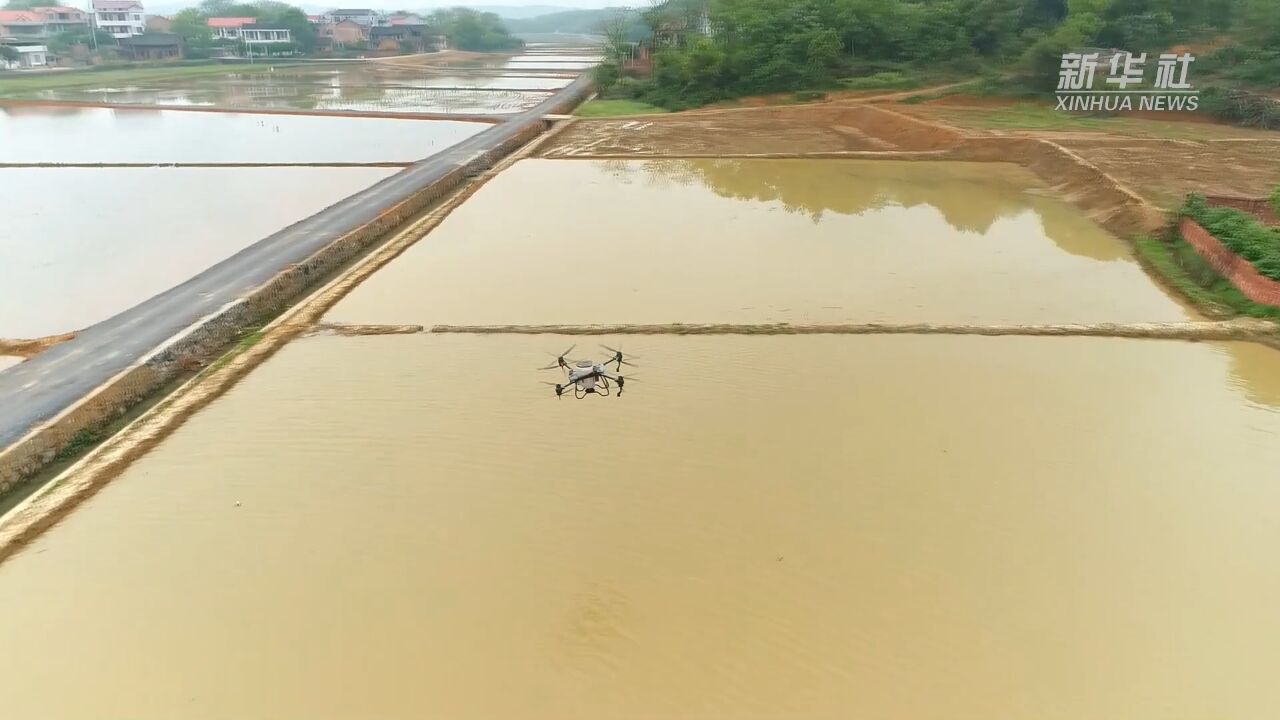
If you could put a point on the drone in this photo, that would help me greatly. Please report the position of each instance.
(585, 377)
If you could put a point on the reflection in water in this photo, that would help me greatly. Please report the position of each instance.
(172, 136)
(926, 528)
(1253, 367)
(969, 200)
(66, 265)
(552, 241)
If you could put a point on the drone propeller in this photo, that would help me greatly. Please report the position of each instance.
(560, 359)
(617, 357)
(615, 351)
(559, 388)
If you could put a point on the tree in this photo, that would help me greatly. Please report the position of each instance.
(62, 42)
(469, 29)
(616, 28)
(9, 55)
(193, 28)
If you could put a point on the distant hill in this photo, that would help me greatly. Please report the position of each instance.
(569, 21)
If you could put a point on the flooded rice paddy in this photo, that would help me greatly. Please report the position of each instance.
(363, 88)
(753, 241)
(75, 253)
(100, 135)
(823, 527)
(533, 63)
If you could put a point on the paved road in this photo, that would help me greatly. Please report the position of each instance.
(40, 388)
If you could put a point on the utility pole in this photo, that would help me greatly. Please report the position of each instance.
(93, 26)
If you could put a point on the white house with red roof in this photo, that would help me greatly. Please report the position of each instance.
(21, 23)
(121, 18)
(248, 31)
(228, 28)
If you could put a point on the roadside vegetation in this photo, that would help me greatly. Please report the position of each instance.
(613, 108)
(706, 51)
(1186, 272)
(472, 30)
(1240, 232)
(1174, 259)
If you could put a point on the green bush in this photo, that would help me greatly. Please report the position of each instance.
(1241, 107)
(606, 76)
(1240, 232)
(885, 80)
(1275, 199)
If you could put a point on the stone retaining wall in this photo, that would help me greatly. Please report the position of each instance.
(1259, 208)
(1238, 271)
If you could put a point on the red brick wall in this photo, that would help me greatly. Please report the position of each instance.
(1257, 207)
(1234, 268)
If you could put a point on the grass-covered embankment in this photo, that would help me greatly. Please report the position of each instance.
(1186, 271)
(1240, 232)
(1182, 269)
(614, 108)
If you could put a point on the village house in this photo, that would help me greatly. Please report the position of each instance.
(60, 18)
(29, 56)
(41, 22)
(342, 34)
(120, 18)
(420, 38)
(159, 24)
(21, 24)
(151, 46)
(228, 28)
(264, 35)
(406, 19)
(360, 16)
(246, 30)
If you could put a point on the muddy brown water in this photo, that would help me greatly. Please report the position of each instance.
(68, 264)
(820, 527)
(91, 135)
(749, 241)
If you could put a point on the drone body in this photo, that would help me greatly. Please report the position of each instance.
(585, 377)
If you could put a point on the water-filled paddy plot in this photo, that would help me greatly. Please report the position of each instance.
(761, 241)
(363, 88)
(896, 533)
(49, 134)
(74, 253)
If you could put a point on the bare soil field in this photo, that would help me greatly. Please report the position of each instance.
(722, 133)
(1159, 160)
(1165, 171)
(795, 129)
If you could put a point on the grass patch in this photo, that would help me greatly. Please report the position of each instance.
(20, 84)
(1188, 273)
(612, 108)
(885, 80)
